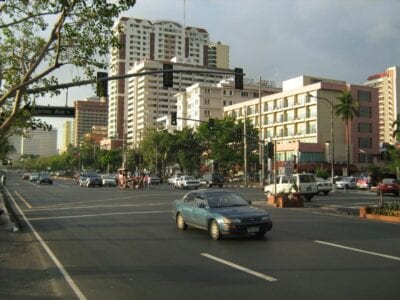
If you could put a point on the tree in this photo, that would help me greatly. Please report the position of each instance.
(42, 36)
(347, 108)
(396, 129)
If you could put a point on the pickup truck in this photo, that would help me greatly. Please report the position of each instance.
(303, 184)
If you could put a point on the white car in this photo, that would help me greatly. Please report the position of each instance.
(172, 180)
(324, 186)
(187, 182)
(108, 180)
(346, 183)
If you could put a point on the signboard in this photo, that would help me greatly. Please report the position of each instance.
(53, 111)
(289, 168)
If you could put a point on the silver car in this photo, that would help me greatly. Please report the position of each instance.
(346, 183)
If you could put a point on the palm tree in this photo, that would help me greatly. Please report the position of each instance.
(347, 108)
(396, 131)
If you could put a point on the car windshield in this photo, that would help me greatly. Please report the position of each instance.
(92, 174)
(389, 181)
(225, 199)
(189, 178)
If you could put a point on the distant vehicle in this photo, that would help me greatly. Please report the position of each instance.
(221, 213)
(303, 184)
(324, 186)
(108, 180)
(212, 179)
(155, 179)
(347, 183)
(89, 179)
(388, 186)
(362, 181)
(187, 182)
(172, 180)
(26, 176)
(34, 176)
(44, 178)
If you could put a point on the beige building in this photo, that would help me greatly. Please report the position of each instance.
(148, 100)
(218, 55)
(67, 136)
(388, 85)
(299, 120)
(153, 40)
(202, 101)
(88, 113)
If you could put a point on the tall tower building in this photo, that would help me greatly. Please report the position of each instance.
(388, 85)
(218, 55)
(88, 113)
(67, 136)
(153, 40)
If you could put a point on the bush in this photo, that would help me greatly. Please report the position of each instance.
(387, 209)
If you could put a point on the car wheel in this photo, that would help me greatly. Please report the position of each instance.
(209, 185)
(215, 233)
(326, 193)
(308, 198)
(260, 234)
(396, 194)
(220, 186)
(180, 222)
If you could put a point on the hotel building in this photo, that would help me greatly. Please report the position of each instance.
(299, 121)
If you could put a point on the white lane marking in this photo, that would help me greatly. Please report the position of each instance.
(23, 199)
(241, 268)
(99, 206)
(359, 250)
(101, 215)
(60, 267)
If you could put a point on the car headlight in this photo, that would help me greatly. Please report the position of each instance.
(231, 221)
(265, 219)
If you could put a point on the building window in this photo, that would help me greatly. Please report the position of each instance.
(364, 96)
(364, 112)
(365, 127)
(364, 142)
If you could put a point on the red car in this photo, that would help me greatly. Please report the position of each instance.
(388, 185)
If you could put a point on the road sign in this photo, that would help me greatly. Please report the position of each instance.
(53, 111)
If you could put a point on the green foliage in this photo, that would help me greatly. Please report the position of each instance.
(323, 173)
(387, 208)
(42, 36)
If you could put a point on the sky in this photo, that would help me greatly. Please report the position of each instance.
(282, 39)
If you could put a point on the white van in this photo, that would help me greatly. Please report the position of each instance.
(303, 184)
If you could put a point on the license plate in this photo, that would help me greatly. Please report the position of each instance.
(252, 229)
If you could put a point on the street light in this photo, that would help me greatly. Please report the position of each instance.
(332, 142)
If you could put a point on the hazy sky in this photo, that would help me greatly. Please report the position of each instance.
(281, 39)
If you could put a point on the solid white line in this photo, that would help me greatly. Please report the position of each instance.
(99, 206)
(64, 272)
(359, 250)
(101, 215)
(241, 268)
(23, 200)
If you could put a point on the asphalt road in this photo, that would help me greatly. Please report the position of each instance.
(107, 243)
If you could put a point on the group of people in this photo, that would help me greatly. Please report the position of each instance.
(126, 179)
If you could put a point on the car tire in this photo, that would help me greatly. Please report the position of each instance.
(220, 186)
(215, 233)
(308, 198)
(180, 222)
(326, 193)
(260, 234)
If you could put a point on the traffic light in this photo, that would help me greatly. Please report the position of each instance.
(211, 124)
(173, 119)
(239, 78)
(101, 84)
(168, 76)
(270, 147)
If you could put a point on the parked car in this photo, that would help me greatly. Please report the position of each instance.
(324, 186)
(34, 176)
(303, 184)
(187, 182)
(108, 180)
(388, 186)
(155, 179)
(89, 179)
(212, 179)
(346, 183)
(44, 178)
(220, 212)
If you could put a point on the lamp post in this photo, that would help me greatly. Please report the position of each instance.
(332, 142)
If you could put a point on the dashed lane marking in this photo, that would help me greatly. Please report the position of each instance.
(239, 267)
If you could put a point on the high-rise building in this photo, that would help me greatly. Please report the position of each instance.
(37, 142)
(154, 40)
(67, 138)
(149, 100)
(88, 113)
(388, 85)
(299, 120)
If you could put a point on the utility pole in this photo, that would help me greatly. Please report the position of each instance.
(260, 138)
(245, 146)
